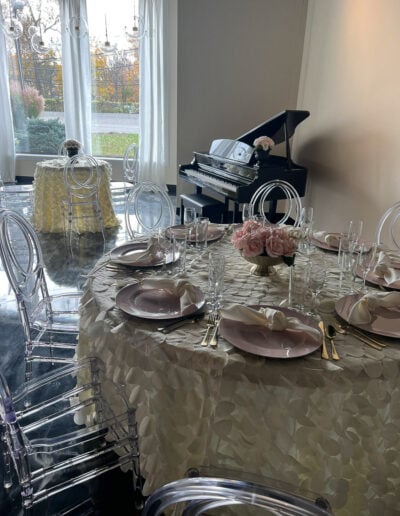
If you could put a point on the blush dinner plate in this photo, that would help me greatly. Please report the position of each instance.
(385, 322)
(259, 340)
(156, 303)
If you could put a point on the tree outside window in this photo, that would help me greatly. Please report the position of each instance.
(35, 73)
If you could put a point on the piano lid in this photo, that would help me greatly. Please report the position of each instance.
(280, 127)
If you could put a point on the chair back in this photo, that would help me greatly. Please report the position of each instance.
(82, 177)
(388, 229)
(18, 197)
(22, 259)
(202, 494)
(130, 162)
(265, 193)
(148, 209)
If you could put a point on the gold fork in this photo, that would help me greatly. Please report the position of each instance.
(210, 325)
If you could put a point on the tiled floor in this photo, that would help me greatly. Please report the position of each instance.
(64, 272)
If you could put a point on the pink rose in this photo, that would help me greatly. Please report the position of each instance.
(253, 247)
(290, 247)
(274, 246)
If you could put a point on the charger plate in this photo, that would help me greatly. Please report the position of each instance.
(264, 342)
(156, 303)
(134, 250)
(374, 279)
(323, 245)
(214, 232)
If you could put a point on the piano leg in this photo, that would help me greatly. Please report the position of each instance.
(235, 215)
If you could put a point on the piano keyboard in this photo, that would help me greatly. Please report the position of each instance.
(211, 180)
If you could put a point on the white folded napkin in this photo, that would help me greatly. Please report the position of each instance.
(363, 310)
(332, 239)
(385, 261)
(187, 293)
(384, 269)
(152, 251)
(273, 319)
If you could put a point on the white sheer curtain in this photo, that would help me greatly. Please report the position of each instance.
(7, 147)
(76, 75)
(153, 92)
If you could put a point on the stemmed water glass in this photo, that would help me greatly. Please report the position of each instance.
(189, 220)
(316, 282)
(306, 224)
(366, 259)
(354, 233)
(246, 212)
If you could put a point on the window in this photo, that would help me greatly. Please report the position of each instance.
(36, 69)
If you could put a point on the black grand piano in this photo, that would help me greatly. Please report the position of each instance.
(231, 172)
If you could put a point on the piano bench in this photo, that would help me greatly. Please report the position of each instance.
(205, 206)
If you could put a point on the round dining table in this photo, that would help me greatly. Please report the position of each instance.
(328, 426)
(50, 192)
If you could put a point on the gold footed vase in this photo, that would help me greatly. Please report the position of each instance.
(262, 265)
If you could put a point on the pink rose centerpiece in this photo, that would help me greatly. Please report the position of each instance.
(264, 245)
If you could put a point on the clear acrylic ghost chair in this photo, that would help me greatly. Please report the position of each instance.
(148, 209)
(198, 494)
(286, 192)
(121, 189)
(49, 322)
(388, 229)
(82, 179)
(78, 426)
(18, 197)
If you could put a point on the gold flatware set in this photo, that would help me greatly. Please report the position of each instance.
(359, 335)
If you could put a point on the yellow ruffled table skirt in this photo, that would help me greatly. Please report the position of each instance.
(50, 192)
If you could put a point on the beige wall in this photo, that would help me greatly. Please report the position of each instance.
(238, 64)
(350, 84)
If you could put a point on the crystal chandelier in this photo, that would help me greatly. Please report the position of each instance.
(10, 24)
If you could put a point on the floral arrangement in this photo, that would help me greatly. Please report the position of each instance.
(263, 143)
(255, 239)
(72, 144)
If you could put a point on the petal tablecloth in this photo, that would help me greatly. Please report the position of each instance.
(331, 427)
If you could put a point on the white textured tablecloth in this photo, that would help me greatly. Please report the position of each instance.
(50, 191)
(331, 427)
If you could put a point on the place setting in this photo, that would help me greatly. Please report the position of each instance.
(349, 239)
(144, 253)
(380, 268)
(160, 299)
(270, 331)
(374, 312)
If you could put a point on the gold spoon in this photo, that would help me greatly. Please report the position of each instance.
(324, 353)
(330, 332)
